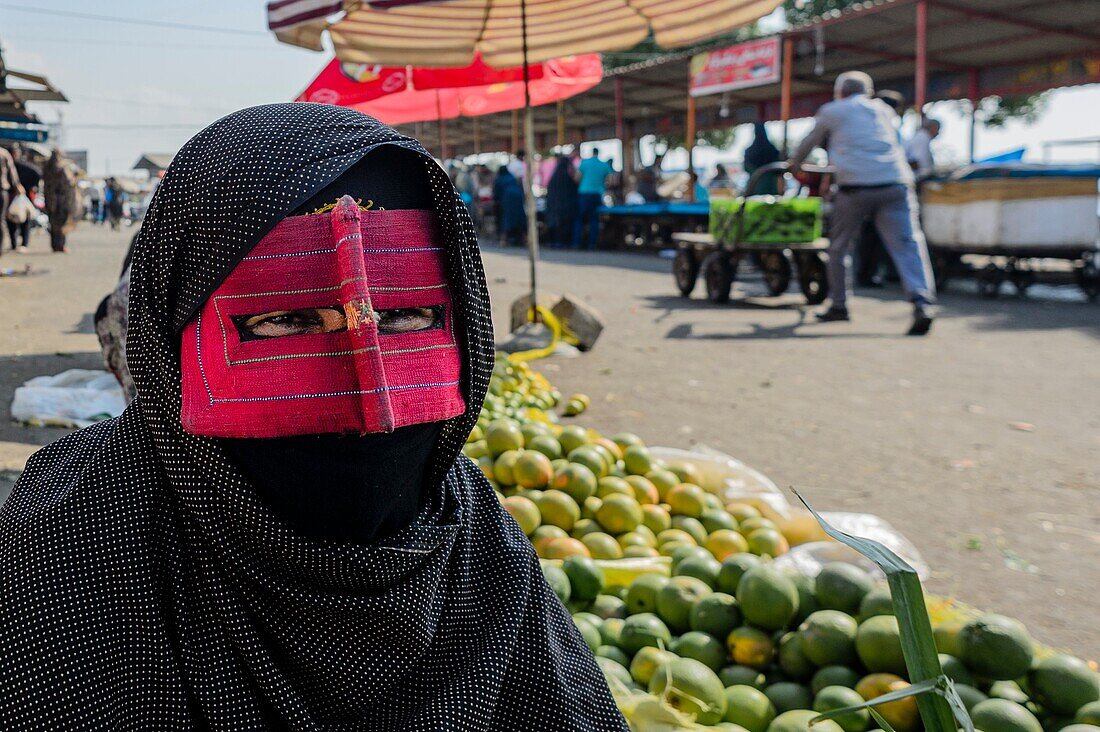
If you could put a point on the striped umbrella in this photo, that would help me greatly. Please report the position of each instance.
(448, 32)
(505, 33)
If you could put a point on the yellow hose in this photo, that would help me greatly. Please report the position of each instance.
(534, 354)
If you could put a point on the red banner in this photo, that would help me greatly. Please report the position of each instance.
(747, 64)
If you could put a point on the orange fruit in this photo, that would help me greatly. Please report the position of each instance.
(655, 518)
(687, 499)
(644, 490)
(532, 469)
(602, 546)
(619, 514)
(558, 509)
(524, 511)
(767, 542)
(724, 543)
(565, 547)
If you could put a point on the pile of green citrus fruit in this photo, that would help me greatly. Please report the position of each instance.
(729, 639)
(756, 649)
(578, 493)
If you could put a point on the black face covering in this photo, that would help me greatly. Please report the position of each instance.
(349, 487)
(341, 487)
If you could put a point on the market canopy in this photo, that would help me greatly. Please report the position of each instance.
(975, 49)
(449, 33)
(398, 95)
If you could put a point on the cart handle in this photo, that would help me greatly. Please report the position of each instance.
(784, 167)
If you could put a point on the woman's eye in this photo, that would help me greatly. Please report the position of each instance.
(293, 322)
(408, 320)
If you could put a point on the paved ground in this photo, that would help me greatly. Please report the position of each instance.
(853, 415)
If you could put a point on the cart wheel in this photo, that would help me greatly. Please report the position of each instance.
(718, 274)
(1021, 279)
(1088, 277)
(989, 281)
(685, 270)
(943, 266)
(777, 271)
(813, 278)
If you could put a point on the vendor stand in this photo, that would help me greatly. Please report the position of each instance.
(650, 225)
(1017, 215)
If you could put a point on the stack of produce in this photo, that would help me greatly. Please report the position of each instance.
(755, 649)
(729, 640)
(578, 493)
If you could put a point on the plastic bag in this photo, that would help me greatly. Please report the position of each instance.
(73, 398)
(729, 478)
(20, 209)
(809, 558)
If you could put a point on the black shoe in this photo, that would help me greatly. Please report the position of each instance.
(833, 314)
(922, 321)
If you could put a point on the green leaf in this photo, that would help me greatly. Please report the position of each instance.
(917, 643)
(882, 723)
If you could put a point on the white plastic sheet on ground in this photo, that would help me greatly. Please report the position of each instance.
(73, 398)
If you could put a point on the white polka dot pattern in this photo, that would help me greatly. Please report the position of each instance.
(145, 588)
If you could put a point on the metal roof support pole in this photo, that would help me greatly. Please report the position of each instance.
(689, 137)
(620, 122)
(921, 77)
(785, 89)
(973, 94)
(477, 135)
(561, 123)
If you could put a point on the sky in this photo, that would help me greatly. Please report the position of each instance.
(135, 89)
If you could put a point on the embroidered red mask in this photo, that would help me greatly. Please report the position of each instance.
(336, 322)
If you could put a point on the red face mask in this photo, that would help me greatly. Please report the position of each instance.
(332, 323)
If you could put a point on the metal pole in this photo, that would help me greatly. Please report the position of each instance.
(442, 129)
(921, 80)
(689, 137)
(973, 93)
(561, 122)
(529, 176)
(785, 89)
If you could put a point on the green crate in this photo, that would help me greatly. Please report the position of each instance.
(768, 220)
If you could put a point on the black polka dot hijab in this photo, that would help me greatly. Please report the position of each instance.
(145, 587)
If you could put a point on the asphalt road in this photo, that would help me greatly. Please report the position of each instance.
(980, 442)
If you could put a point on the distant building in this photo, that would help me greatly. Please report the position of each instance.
(16, 123)
(153, 163)
(79, 158)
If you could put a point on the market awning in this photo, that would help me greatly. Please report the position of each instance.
(975, 48)
(448, 33)
(559, 79)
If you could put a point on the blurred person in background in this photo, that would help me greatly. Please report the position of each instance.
(59, 188)
(114, 202)
(561, 203)
(874, 179)
(873, 264)
(648, 179)
(9, 188)
(759, 153)
(511, 212)
(592, 175)
(721, 178)
(518, 165)
(29, 178)
(919, 149)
